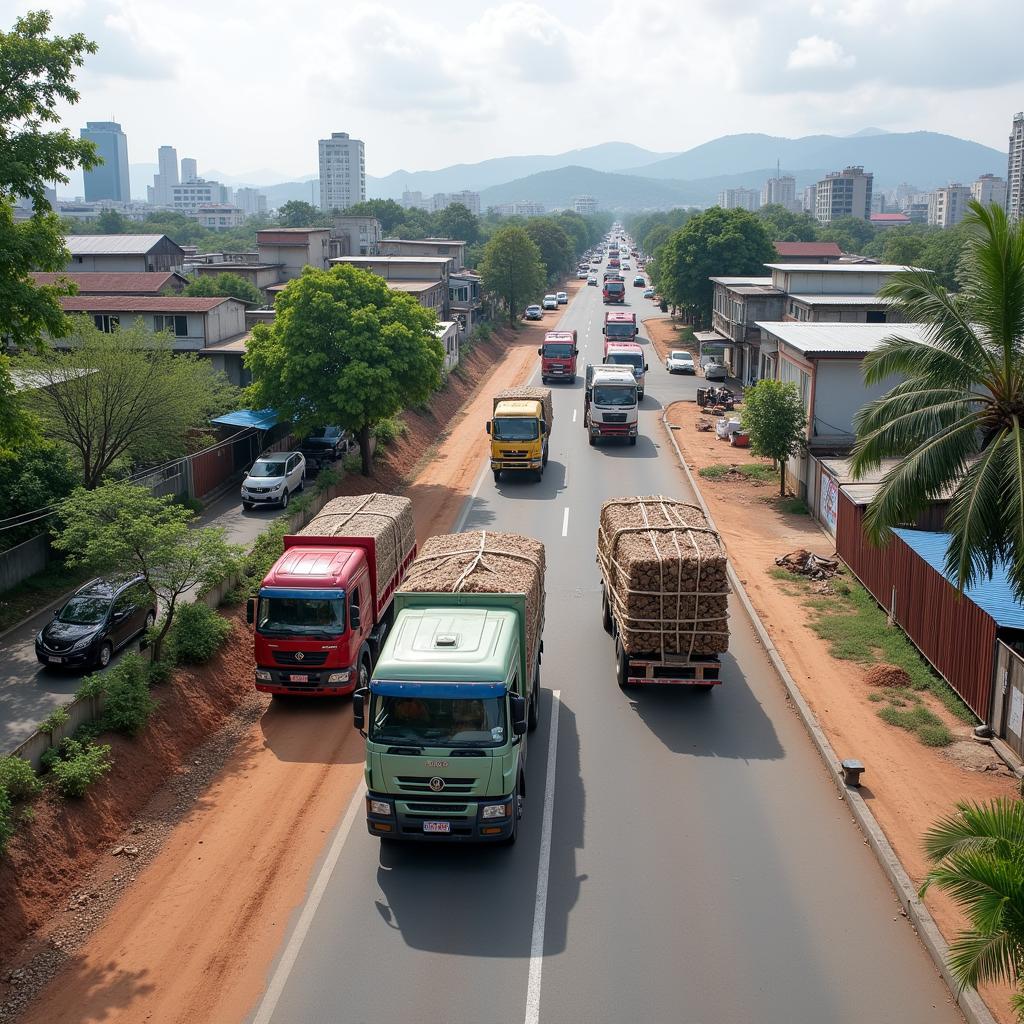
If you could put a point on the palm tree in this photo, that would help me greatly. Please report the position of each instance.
(978, 854)
(957, 418)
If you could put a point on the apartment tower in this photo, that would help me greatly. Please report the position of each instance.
(110, 179)
(342, 172)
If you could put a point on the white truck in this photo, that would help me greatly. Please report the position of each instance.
(610, 403)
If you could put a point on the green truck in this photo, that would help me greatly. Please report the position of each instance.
(455, 692)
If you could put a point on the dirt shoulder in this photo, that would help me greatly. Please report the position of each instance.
(908, 786)
(186, 928)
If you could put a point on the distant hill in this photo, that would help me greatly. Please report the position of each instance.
(557, 189)
(926, 159)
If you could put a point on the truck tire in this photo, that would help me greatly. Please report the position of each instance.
(621, 666)
(632, 440)
(606, 612)
(533, 712)
(593, 441)
(497, 475)
(516, 812)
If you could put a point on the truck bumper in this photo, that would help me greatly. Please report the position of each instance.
(652, 672)
(514, 465)
(310, 683)
(409, 816)
(613, 429)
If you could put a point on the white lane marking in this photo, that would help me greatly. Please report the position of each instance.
(468, 504)
(565, 523)
(270, 999)
(574, 415)
(540, 908)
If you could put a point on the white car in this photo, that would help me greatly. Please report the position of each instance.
(273, 479)
(562, 298)
(550, 302)
(680, 362)
(715, 371)
(592, 280)
(581, 275)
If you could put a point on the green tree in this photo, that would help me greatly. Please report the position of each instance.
(852, 234)
(978, 859)
(111, 222)
(344, 349)
(717, 241)
(512, 269)
(123, 396)
(943, 251)
(577, 230)
(227, 284)
(297, 214)
(37, 74)
(122, 528)
(956, 420)
(554, 244)
(457, 222)
(902, 246)
(387, 211)
(35, 475)
(786, 226)
(773, 414)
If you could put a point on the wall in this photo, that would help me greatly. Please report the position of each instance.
(225, 321)
(95, 263)
(839, 392)
(23, 560)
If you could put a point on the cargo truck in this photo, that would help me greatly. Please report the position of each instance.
(455, 692)
(619, 325)
(614, 291)
(610, 404)
(558, 356)
(520, 428)
(629, 354)
(664, 592)
(322, 612)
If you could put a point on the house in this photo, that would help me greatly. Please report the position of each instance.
(118, 283)
(418, 275)
(833, 278)
(220, 216)
(889, 220)
(294, 248)
(448, 333)
(137, 253)
(426, 247)
(465, 302)
(738, 303)
(808, 252)
(355, 236)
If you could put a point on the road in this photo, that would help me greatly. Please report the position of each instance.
(29, 692)
(701, 869)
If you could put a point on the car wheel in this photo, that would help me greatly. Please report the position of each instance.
(302, 484)
(285, 498)
(606, 611)
(150, 622)
(364, 675)
(593, 441)
(247, 506)
(621, 666)
(105, 654)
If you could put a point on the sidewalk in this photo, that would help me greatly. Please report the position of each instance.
(907, 785)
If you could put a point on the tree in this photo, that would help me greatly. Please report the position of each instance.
(773, 414)
(956, 420)
(120, 527)
(852, 234)
(512, 269)
(458, 222)
(387, 211)
(577, 230)
(36, 475)
(227, 284)
(123, 396)
(978, 858)
(297, 214)
(717, 241)
(344, 349)
(786, 226)
(554, 244)
(37, 76)
(111, 222)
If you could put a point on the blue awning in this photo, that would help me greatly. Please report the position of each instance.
(261, 419)
(438, 691)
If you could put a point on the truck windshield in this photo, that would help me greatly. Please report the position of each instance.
(552, 351)
(308, 616)
(514, 428)
(634, 360)
(614, 394)
(438, 723)
(619, 331)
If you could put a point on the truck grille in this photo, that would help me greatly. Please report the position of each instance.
(614, 417)
(309, 659)
(437, 810)
(421, 784)
(514, 453)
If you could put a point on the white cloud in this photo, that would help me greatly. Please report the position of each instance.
(813, 53)
(521, 41)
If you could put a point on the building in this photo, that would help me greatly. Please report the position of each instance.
(917, 212)
(466, 198)
(452, 248)
(584, 205)
(118, 283)
(166, 177)
(465, 302)
(293, 249)
(521, 208)
(1015, 169)
(738, 304)
(447, 332)
(780, 191)
(739, 199)
(342, 172)
(947, 205)
(251, 201)
(426, 277)
(219, 216)
(355, 236)
(809, 203)
(190, 195)
(414, 201)
(110, 179)
(845, 193)
(989, 190)
(808, 252)
(103, 253)
(189, 171)
(890, 220)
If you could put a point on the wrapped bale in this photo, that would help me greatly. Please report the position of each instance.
(528, 393)
(483, 562)
(386, 518)
(665, 576)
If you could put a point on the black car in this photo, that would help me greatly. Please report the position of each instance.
(97, 620)
(326, 445)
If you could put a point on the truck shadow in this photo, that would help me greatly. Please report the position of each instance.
(312, 730)
(479, 900)
(524, 485)
(644, 448)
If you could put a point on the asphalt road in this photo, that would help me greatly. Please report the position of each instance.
(29, 692)
(702, 869)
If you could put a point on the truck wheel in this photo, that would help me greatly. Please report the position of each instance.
(705, 687)
(593, 441)
(497, 475)
(533, 712)
(606, 612)
(621, 666)
(632, 440)
(517, 806)
(363, 676)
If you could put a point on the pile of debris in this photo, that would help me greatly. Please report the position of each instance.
(805, 563)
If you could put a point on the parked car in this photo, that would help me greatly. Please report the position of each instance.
(562, 297)
(550, 302)
(639, 282)
(715, 370)
(581, 274)
(592, 280)
(534, 312)
(327, 444)
(680, 362)
(648, 293)
(273, 479)
(97, 620)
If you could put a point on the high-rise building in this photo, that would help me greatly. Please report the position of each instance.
(110, 179)
(947, 205)
(988, 189)
(250, 201)
(414, 201)
(809, 201)
(739, 199)
(780, 191)
(1015, 169)
(189, 171)
(845, 193)
(342, 172)
(584, 205)
(165, 178)
(190, 195)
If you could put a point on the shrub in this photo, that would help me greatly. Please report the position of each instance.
(128, 704)
(160, 671)
(6, 821)
(18, 780)
(482, 333)
(54, 720)
(79, 766)
(197, 634)
(352, 463)
(188, 502)
(935, 735)
(94, 685)
(389, 429)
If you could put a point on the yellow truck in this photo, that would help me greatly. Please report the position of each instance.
(520, 429)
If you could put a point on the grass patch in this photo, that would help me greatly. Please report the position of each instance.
(792, 506)
(751, 470)
(925, 724)
(37, 592)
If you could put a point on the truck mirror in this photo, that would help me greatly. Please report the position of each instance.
(604, 330)
(488, 426)
(540, 351)
(359, 708)
(518, 705)
(646, 367)
(250, 610)
(575, 351)
(353, 616)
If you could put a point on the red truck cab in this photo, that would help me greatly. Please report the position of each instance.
(558, 356)
(614, 291)
(619, 326)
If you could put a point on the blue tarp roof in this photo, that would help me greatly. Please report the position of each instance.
(993, 596)
(261, 419)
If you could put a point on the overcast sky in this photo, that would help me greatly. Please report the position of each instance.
(244, 85)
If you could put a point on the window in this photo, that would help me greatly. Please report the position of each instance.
(176, 324)
(876, 316)
(355, 601)
(106, 322)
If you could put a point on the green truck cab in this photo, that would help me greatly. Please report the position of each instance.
(446, 715)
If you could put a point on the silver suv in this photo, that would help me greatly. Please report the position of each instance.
(273, 479)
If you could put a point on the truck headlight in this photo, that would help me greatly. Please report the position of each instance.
(496, 811)
(262, 675)
(382, 808)
(339, 677)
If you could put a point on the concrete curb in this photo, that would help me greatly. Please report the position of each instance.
(971, 1004)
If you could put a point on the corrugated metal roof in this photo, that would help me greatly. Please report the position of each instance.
(432, 260)
(98, 245)
(138, 304)
(993, 596)
(742, 280)
(838, 339)
(808, 248)
(261, 419)
(841, 300)
(139, 282)
(842, 268)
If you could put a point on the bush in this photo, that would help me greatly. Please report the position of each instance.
(18, 780)
(6, 821)
(94, 685)
(160, 671)
(482, 333)
(197, 634)
(389, 429)
(54, 720)
(79, 766)
(128, 704)
(188, 502)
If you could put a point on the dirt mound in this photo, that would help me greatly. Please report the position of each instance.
(886, 675)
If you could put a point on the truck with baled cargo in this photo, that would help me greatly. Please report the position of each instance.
(520, 429)
(558, 356)
(664, 592)
(323, 610)
(610, 403)
(455, 692)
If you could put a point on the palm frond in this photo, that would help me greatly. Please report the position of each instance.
(975, 959)
(977, 826)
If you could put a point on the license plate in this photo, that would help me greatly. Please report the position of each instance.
(298, 679)
(437, 826)
(53, 660)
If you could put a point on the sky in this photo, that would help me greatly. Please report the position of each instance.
(247, 86)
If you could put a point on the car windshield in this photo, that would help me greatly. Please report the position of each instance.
(433, 722)
(614, 394)
(327, 434)
(84, 611)
(313, 616)
(682, 357)
(514, 428)
(267, 469)
(619, 330)
(632, 359)
(559, 351)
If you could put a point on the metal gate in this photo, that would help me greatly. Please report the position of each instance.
(1009, 696)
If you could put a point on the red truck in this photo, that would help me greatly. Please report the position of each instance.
(627, 353)
(324, 609)
(614, 291)
(619, 326)
(558, 356)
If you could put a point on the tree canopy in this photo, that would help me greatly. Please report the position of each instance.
(227, 285)
(344, 349)
(512, 269)
(458, 222)
(773, 414)
(556, 247)
(297, 214)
